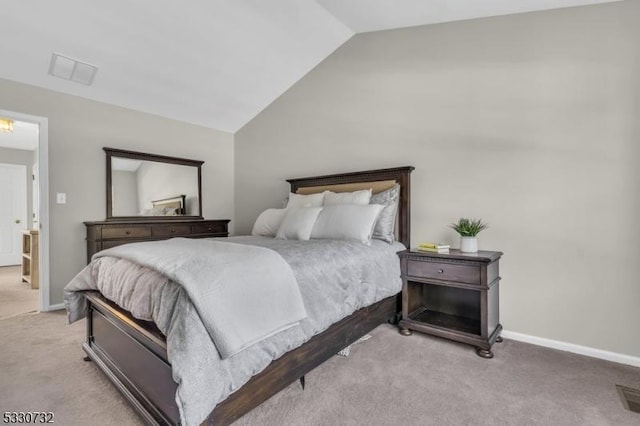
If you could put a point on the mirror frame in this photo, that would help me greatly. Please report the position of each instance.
(114, 152)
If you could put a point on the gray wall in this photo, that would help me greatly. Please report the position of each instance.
(124, 193)
(78, 129)
(25, 158)
(528, 121)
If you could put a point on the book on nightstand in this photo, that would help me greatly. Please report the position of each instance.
(433, 248)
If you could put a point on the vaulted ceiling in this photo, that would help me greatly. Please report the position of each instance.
(215, 63)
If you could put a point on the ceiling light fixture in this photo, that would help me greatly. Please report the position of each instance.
(6, 125)
(72, 69)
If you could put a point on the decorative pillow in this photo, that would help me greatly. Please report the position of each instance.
(356, 197)
(386, 224)
(347, 222)
(311, 200)
(268, 222)
(298, 223)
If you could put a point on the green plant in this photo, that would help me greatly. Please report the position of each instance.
(468, 227)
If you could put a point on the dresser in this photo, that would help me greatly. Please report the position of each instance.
(106, 234)
(454, 295)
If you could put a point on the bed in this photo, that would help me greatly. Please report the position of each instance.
(133, 353)
(173, 206)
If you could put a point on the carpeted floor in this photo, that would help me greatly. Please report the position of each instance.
(16, 297)
(389, 379)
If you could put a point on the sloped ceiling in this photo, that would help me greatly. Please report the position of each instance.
(376, 15)
(215, 63)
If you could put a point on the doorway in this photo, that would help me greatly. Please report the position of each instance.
(13, 208)
(24, 248)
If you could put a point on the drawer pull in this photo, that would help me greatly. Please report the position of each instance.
(128, 232)
(173, 230)
(209, 229)
(441, 271)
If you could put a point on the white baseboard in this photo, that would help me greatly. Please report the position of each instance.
(570, 347)
(60, 306)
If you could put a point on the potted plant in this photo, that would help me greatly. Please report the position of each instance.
(468, 230)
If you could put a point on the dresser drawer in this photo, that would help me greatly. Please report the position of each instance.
(469, 274)
(112, 243)
(209, 228)
(171, 230)
(103, 235)
(126, 232)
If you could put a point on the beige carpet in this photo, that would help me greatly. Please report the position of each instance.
(16, 297)
(387, 380)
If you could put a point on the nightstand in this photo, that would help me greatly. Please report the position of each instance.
(455, 296)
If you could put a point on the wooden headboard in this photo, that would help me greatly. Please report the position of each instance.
(377, 178)
(178, 203)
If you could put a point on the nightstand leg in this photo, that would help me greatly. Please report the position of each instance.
(484, 353)
(405, 331)
(499, 339)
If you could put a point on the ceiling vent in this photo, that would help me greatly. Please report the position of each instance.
(71, 69)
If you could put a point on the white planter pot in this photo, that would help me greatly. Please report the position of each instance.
(468, 244)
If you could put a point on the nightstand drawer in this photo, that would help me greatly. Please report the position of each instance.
(171, 230)
(126, 232)
(444, 271)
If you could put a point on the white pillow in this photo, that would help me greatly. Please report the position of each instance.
(298, 223)
(347, 222)
(356, 197)
(268, 222)
(311, 200)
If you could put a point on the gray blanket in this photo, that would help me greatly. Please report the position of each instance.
(242, 293)
(335, 279)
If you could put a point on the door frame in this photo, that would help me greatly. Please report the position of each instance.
(43, 168)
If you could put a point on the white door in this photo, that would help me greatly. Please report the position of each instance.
(13, 212)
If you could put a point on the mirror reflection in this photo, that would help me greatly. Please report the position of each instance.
(151, 188)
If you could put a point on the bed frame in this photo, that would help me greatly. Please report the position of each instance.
(133, 353)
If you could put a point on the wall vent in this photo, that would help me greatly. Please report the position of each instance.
(72, 69)
(630, 398)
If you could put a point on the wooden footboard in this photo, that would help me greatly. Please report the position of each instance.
(133, 355)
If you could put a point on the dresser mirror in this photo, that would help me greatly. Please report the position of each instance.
(150, 186)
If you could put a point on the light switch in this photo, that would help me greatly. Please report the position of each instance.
(61, 198)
